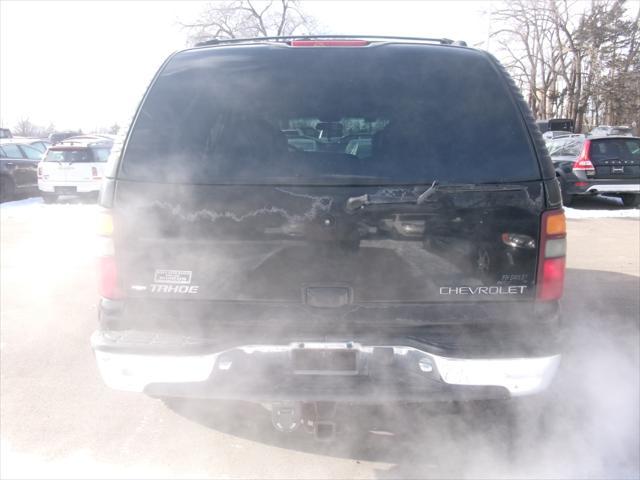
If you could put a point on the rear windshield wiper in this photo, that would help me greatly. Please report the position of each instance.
(354, 203)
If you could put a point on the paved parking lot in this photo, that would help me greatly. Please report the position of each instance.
(58, 420)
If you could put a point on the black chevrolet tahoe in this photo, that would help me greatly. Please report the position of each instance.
(239, 265)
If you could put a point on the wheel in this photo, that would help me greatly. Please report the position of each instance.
(630, 199)
(7, 189)
(49, 197)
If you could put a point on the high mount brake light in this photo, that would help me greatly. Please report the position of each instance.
(583, 162)
(551, 264)
(329, 43)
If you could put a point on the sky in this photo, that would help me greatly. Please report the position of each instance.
(86, 64)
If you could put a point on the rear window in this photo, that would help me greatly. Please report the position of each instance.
(615, 149)
(225, 115)
(100, 154)
(78, 155)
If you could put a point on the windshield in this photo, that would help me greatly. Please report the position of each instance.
(248, 115)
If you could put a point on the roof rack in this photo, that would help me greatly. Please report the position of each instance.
(217, 41)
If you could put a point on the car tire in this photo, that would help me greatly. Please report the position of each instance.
(49, 197)
(630, 199)
(7, 189)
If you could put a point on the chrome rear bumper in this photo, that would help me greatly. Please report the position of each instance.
(614, 188)
(393, 367)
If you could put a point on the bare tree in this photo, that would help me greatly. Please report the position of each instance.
(25, 128)
(250, 18)
(573, 59)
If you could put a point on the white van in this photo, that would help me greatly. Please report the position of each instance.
(73, 167)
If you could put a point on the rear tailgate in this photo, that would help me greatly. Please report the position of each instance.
(54, 168)
(299, 245)
(616, 158)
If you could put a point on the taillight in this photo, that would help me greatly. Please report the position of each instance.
(329, 43)
(108, 270)
(94, 173)
(553, 249)
(583, 162)
(40, 171)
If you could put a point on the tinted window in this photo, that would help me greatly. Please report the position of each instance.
(69, 155)
(564, 124)
(12, 151)
(433, 113)
(101, 154)
(615, 149)
(31, 153)
(40, 146)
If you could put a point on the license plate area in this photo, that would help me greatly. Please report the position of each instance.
(321, 360)
(66, 190)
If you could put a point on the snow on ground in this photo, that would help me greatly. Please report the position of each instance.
(34, 206)
(579, 213)
(600, 207)
(20, 203)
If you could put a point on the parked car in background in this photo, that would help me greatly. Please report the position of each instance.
(37, 143)
(5, 133)
(57, 137)
(622, 130)
(73, 167)
(555, 124)
(18, 167)
(606, 130)
(597, 165)
(599, 131)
